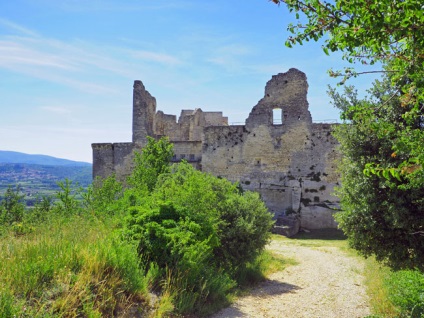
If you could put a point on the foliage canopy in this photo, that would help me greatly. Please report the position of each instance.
(382, 139)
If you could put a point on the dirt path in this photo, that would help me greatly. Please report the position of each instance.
(325, 283)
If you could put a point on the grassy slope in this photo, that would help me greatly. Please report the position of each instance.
(69, 268)
(79, 267)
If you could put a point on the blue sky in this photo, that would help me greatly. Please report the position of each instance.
(67, 66)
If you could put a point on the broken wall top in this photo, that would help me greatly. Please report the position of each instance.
(144, 110)
(285, 91)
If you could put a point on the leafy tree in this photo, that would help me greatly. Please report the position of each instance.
(41, 210)
(102, 197)
(388, 32)
(68, 203)
(12, 208)
(383, 211)
(153, 161)
(383, 138)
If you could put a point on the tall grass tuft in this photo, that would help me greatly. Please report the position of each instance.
(393, 294)
(69, 267)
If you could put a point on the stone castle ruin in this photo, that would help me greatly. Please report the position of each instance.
(279, 152)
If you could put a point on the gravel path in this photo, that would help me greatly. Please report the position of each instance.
(325, 283)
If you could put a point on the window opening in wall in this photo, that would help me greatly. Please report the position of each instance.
(182, 156)
(191, 156)
(277, 116)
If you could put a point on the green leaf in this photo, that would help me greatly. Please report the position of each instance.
(325, 49)
(386, 174)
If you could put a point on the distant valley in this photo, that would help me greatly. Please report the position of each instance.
(37, 175)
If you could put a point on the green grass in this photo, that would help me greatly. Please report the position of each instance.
(69, 268)
(378, 293)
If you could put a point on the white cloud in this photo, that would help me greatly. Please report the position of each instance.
(58, 110)
(234, 49)
(16, 27)
(155, 57)
(19, 53)
(76, 63)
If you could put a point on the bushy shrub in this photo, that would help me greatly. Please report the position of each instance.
(239, 219)
(150, 163)
(67, 203)
(169, 238)
(102, 198)
(200, 228)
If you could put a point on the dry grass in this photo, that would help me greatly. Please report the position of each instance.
(68, 268)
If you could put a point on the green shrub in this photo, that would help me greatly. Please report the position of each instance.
(240, 220)
(152, 162)
(41, 211)
(67, 203)
(166, 236)
(199, 229)
(406, 291)
(102, 198)
(12, 208)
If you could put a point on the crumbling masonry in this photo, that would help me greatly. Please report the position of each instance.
(279, 152)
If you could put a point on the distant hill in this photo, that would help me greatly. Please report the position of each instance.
(37, 175)
(19, 157)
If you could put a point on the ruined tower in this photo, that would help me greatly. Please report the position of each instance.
(144, 110)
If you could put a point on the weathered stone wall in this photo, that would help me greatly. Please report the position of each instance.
(113, 158)
(190, 125)
(103, 163)
(290, 162)
(188, 150)
(166, 125)
(215, 119)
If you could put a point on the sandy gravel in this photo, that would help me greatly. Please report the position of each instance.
(326, 283)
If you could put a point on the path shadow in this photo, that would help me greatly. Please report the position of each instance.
(270, 287)
(320, 234)
(230, 312)
(273, 287)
